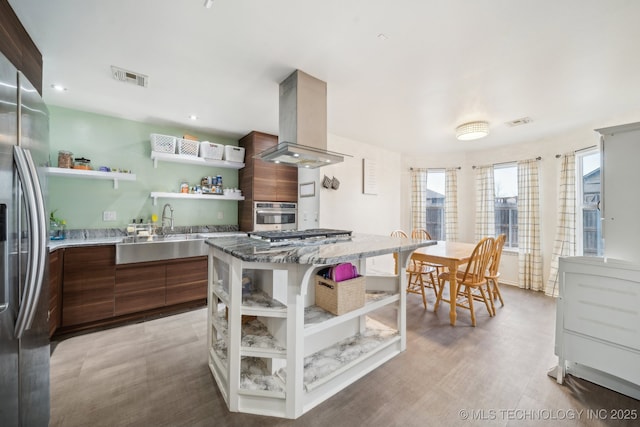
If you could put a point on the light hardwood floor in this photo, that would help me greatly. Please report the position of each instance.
(155, 374)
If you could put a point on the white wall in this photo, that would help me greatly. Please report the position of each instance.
(348, 208)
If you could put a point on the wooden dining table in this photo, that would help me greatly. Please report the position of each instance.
(451, 255)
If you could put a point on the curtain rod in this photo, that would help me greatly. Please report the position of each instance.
(578, 150)
(455, 167)
(506, 163)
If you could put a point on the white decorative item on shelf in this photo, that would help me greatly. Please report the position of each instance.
(211, 150)
(163, 143)
(233, 153)
(188, 147)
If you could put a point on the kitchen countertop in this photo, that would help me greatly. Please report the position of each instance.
(97, 241)
(329, 251)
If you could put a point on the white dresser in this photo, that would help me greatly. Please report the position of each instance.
(598, 323)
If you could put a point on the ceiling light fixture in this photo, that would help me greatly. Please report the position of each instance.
(59, 88)
(193, 117)
(208, 3)
(472, 130)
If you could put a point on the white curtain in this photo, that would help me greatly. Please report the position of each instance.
(529, 255)
(451, 204)
(485, 203)
(565, 242)
(418, 198)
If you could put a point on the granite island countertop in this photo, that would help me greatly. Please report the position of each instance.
(329, 251)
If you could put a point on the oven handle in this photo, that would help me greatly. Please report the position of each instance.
(278, 211)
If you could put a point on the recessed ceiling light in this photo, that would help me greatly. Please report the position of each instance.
(383, 36)
(208, 3)
(59, 88)
(193, 117)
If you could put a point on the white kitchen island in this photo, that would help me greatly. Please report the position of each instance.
(271, 350)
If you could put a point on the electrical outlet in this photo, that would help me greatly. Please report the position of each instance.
(109, 215)
(220, 215)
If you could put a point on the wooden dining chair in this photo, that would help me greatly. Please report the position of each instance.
(494, 273)
(420, 233)
(432, 279)
(415, 271)
(472, 282)
(399, 233)
(402, 234)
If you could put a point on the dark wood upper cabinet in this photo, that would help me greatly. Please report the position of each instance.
(263, 181)
(18, 47)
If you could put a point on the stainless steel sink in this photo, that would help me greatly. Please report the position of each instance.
(157, 248)
(161, 238)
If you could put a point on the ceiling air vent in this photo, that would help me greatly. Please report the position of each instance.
(123, 75)
(519, 122)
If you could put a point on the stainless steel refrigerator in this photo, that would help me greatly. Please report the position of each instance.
(24, 338)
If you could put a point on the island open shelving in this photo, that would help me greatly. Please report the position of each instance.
(272, 351)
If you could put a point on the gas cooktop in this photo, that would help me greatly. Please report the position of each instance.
(296, 235)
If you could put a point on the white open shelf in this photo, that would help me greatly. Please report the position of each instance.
(81, 173)
(166, 195)
(318, 319)
(329, 363)
(193, 160)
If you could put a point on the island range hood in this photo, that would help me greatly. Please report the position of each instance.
(302, 139)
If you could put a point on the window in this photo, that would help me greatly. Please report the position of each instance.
(506, 202)
(589, 224)
(435, 204)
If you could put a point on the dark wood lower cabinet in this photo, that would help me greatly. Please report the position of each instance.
(88, 284)
(139, 287)
(187, 280)
(55, 282)
(94, 291)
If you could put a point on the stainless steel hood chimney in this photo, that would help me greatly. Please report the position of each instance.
(302, 125)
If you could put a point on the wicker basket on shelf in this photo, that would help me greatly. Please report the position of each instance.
(340, 297)
(163, 143)
(188, 147)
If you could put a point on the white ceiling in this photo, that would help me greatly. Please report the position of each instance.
(566, 64)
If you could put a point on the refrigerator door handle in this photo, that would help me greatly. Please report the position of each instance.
(36, 216)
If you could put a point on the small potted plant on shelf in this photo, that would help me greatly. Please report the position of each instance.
(56, 226)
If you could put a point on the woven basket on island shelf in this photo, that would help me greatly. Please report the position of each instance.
(340, 297)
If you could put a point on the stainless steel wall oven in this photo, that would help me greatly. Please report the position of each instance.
(275, 216)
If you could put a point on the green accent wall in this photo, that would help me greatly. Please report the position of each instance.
(124, 144)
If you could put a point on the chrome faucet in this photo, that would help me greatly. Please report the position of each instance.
(164, 216)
